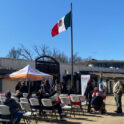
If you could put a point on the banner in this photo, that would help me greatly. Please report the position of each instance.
(84, 81)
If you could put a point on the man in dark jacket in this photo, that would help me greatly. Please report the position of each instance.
(14, 107)
(23, 88)
(88, 93)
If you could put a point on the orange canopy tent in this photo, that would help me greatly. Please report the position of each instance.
(28, 73)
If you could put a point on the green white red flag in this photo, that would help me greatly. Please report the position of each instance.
(62, 25)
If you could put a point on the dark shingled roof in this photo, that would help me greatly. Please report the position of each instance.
(102, 69)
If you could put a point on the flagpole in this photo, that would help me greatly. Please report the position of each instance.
(71, 49)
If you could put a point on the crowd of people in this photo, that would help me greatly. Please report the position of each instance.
(44, 91)
(94, 96)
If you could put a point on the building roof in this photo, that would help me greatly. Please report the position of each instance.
(102, 69)
(110, 75)
(105, 61)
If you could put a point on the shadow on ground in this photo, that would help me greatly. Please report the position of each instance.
(115, 114)
(58, 121)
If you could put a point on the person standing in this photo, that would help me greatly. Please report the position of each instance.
(117, 91)
(23, 88)
(18, 86)
(88, 93)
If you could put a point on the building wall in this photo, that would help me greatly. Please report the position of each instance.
(0, 85)
(12, 64)
(15, 63)
(67, 68)
(9, 85)
(18, 64)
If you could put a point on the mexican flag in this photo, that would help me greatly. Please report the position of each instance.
(62, 25)
(101, 85)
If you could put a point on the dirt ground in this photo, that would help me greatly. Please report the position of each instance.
(109, 118)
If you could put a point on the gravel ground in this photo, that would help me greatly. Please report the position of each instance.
(109, 118)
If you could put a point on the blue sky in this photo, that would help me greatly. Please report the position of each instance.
(98, 26)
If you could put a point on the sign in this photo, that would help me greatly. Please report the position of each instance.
(84, 81)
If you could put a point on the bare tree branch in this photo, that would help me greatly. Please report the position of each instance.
(42, 50)
(14, 53)
(25, 53)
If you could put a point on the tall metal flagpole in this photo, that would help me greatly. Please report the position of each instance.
(71, 49)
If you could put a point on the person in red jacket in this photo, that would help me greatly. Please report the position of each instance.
(97, 101)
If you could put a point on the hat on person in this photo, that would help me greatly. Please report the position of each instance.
(7, 94)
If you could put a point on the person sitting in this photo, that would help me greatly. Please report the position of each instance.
(18, 94)
(97, 101)
(46, 86)
(41, 94)
(14, 107)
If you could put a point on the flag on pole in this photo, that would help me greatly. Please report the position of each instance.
(101, 86)
(62, 25)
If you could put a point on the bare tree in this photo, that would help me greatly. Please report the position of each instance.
(61, 57)
(25, 53)
(43, 50)
(76, 59)
(14, 53)
(54, 53)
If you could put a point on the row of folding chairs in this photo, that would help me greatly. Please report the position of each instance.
(68, 104)
(72, 103)
(28, 109)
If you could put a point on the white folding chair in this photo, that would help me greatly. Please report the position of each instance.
(35, 105)
(33, 95)
(75, 99)
(47, 102)
(13, 94)
(5, 111)
(25, 95)
(73, 94)
(28, 113)
(66, 104)
(34, 101)
(2, 99)
(25, 106)
(65, 101)
(48, 106)
(76, 103)
(23, 99)
(83, 102)
(2, 95)
(63, 95)
(15, 98)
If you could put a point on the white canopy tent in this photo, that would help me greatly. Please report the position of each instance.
(28, 73)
